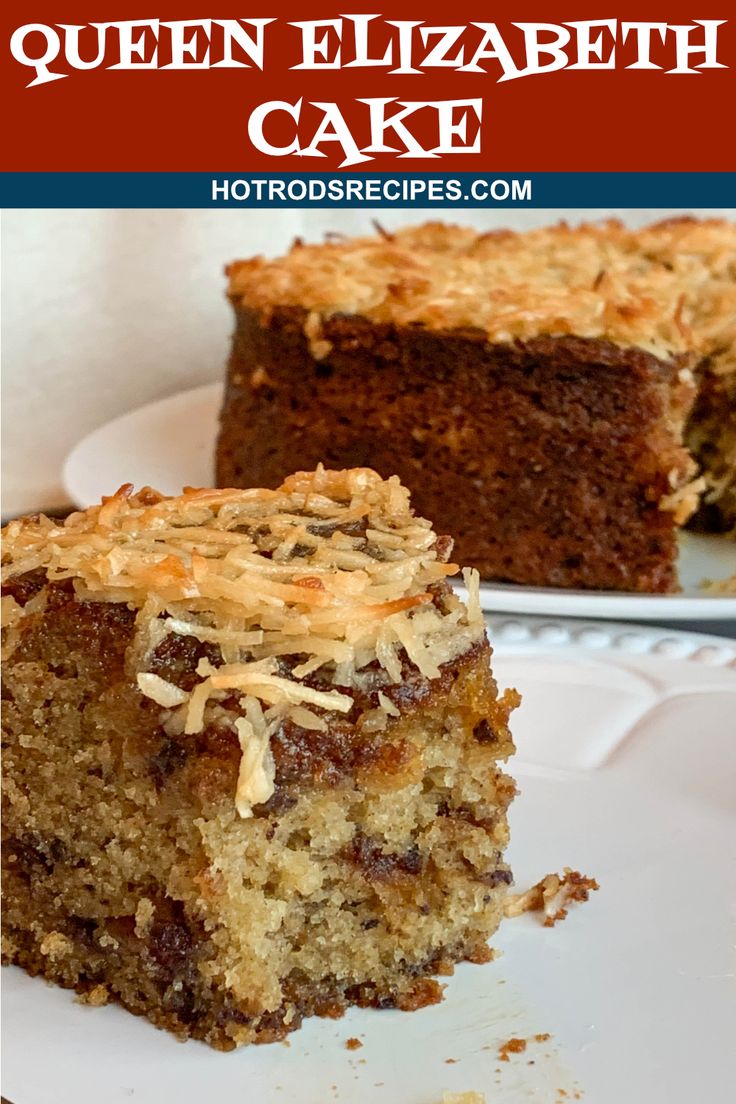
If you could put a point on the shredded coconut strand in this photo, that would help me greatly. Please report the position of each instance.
(551, 896)
(332, 569)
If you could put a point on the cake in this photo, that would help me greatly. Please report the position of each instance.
(565, 399)
(252, 756)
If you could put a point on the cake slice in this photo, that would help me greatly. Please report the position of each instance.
(534, 390)
(252, 747)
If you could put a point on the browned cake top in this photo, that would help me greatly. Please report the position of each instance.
(332, 570)
(667, 288)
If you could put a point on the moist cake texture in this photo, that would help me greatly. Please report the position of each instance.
(563, 398)
(251, 756)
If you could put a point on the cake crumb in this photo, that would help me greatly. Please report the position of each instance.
(353, 1044)
(144, 914)
(518, 1046)
(722, 586)
(55, 945)
(551, 895)
(463, 1098)
(511, 1046)
(450, 1061)
(96, 997)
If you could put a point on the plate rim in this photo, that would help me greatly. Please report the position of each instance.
(594, 638)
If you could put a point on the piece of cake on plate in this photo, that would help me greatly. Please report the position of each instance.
(533, 390)
(252, 746)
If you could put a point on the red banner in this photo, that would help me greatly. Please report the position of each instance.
(89, 88)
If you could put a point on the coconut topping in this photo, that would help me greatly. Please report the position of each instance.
(329, 576)
(669, 288)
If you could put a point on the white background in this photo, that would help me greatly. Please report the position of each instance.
(106, 310)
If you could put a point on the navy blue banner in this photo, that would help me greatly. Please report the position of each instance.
(373, 190)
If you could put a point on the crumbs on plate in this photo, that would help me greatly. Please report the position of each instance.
(552, 895)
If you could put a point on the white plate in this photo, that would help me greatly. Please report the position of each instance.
(627, 771)
(171, 443)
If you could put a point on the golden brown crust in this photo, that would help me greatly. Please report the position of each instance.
(667, 288)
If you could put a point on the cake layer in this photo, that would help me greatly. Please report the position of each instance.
(146, 859)
(549, 459)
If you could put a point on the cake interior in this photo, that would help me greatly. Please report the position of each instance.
(550, 460)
